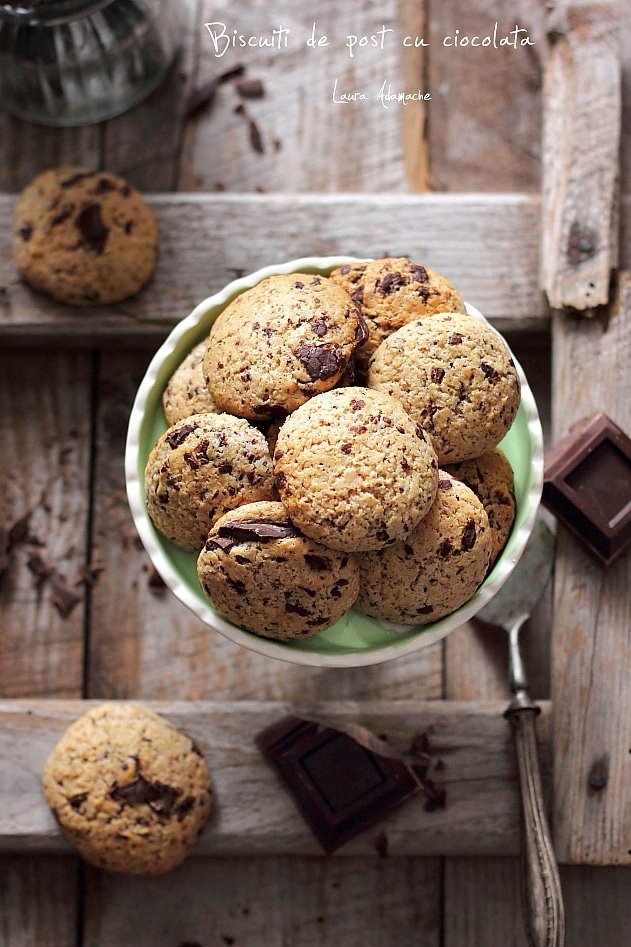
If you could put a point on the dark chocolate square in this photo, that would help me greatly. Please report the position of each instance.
(341, 787)
(587, 485)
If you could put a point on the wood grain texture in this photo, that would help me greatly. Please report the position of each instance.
(45, 436)
(485, 113)
(488, 245)
(140, 145)
(581, 140)
(26, 149)
(309, 143)
(253, 816)
(592, 637)
(270, 902)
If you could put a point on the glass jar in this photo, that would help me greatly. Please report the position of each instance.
(74, 62)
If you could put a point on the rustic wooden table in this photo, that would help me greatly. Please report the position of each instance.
(67, 380)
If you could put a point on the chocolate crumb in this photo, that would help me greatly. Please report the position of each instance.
(444, 484)
(468, 536)
(158, 796)
(63, 598)
(63, 214)
(317, 563)
(177, 437)
(390, 283)
(155, 582)
(250, 88)
(77, 801)
(490, 373)
(418, 273)
(437, 375)
(40, 569)
(455, 339)
(321, 362)
(26, 232)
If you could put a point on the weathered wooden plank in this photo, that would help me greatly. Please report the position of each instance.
(581, 141)
(45, 435)
(309, 142)
(254, 815)
(139, 144)
(488, 245)
(485, 113)
(27, 149)
(275, 902)
(592, 641)
(38, 896)
(146, 644)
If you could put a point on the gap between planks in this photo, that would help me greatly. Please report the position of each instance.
(254, 815)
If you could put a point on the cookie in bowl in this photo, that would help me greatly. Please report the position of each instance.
(392, 292)
(261, 572)
(186, 392)
(455, 376)
(353, 470)
(199, 469)
(437, 568)
(279, 344)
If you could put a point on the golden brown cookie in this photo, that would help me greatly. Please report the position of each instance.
(437, 568)
(202, 467)
(353, 470)
(130, 792)
(392, 292)
(85, 238)
(491, 479)
(260, 571)
(454, 375)
(186, 392)
(280, 343)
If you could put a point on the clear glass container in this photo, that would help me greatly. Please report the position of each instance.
(74, 62)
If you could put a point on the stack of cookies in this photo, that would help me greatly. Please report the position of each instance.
(333, 444)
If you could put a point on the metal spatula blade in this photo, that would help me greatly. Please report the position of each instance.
(523, 589)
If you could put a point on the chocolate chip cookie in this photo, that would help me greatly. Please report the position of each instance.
(201, 468)
(280, 343)
(353, 470)
(491, 479)
(262, 573)
(455, 376)
(85, 238)
(130, 792)
(392, 292)
(187, 393)
(437, 568)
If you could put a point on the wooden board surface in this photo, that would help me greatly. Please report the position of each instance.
(253, 815)
(592, 641)
(464, 238)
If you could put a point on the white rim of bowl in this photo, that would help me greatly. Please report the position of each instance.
(268, 646)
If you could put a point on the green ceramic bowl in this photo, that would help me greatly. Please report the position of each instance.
(356, 639)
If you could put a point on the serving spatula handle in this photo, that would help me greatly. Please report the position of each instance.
(542, 899)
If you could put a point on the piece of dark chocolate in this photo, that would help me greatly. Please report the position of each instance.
(587, 485)
(340, 786)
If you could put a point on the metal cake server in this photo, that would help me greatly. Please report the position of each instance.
(542, 899)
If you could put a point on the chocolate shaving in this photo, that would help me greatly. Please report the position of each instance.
(204, 95)
(39, 568)
(63, 598)
(419, 272)
(252, 530)
(468, 536)
(361, 332)
(490, 373)
(250, 88)
(155, 581)
(391, 283)
(321, 362)
(358, 296)
(158, 796)
(93, 231)
(77, 801)
(256, 139)
(177, 437)
(89, 575)
(19, 532)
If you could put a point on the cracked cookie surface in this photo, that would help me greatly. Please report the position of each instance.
(280, 343)
(130, 791)
(85, 238)
(186, 392)
(491, 479)
(199, 469)
(455, 376)
(437, 568)
(392, 292)
(353, 470)
(263, 574)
